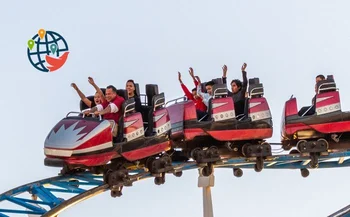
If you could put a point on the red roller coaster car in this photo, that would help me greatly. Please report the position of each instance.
(79, 142)
(224, 133)
(316, 129)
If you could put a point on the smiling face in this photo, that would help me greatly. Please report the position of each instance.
(130, 88)
(110, 94)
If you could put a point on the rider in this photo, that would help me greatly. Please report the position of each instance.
(111, 109)
(310, 110)
(205, 96)
(318, 78)
(238, 89)
(131, 90)
(201, 108)
(98, 98)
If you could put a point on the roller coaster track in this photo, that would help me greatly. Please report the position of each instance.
(39, 199)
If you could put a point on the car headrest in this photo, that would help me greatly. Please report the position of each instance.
(158, 101)
(256, 89)
(128, 106)
(204, 90)
(219, 90)
(330, 78)
(326, 85)
(137, 89)
(83, 106)
(122, 93)
(151, 90)
(254, 81)
(217, 80)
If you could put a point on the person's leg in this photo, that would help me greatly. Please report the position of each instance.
(200, 114)
(114, 127)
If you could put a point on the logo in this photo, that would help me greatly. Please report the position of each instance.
(47, 51)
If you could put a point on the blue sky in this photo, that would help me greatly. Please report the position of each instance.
(285, 43)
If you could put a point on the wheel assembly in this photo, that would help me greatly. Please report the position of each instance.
(116, 193)
(208, 170)
(314, 160)
(178, 174)
(160, 179)
(258, 167)
(237, 172)
(304, 172)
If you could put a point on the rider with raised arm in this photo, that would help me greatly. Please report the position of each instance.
(200, 106)
(238, 87)
(205, 96)
(98, 98)
(131, 90)
(111, 109)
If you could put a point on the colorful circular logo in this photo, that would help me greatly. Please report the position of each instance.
(47, 51)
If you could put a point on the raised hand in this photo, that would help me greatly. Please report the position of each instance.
(91, 80)
(191, 72)
(224, 71)
(179, 77)
(244, 66)
(74, 86)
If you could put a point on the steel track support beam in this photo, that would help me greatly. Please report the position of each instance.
(206, 182)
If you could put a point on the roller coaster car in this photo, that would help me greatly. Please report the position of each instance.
(319, 128)
(81, 142)
(224, 132)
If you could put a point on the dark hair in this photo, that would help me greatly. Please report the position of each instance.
(210, 83)
(238, 83)
(194, 89)
(112, 87)
(132, 81)
(321, 76)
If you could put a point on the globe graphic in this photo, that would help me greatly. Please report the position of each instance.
(41, 48)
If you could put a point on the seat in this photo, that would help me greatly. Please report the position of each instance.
(219, 91)
(151, 91)
(158, 101)
(217, 81)
(326, 85)
(244, 115)
(122, 93)
(255, 89)
(137, 89)
(83, 106)
(128, 108)
(323, 86)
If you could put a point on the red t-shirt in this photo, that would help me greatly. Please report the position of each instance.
(118, 102)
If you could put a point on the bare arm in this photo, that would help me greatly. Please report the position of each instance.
(97, 88)
(81, 95)
(107, 110)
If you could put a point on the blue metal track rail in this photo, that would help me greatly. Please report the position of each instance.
(51, 196)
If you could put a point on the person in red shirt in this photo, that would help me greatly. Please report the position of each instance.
(200, 106)
(111, 109)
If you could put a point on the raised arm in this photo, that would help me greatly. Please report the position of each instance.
(224, 73)
(97, 88)
(81, 95)
(184, 88)
(193, 77)
(244, 76)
